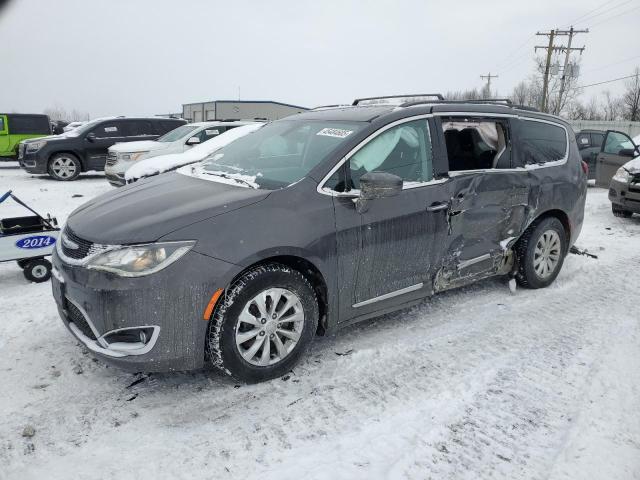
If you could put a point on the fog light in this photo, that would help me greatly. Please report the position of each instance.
(143, 337)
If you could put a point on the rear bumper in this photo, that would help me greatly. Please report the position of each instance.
(96, 307)
(625, 195)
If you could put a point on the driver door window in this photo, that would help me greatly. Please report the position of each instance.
(404, 150)
(615, 142)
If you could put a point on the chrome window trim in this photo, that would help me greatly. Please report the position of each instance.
(389, 295)
(328, 191)
(533, 166)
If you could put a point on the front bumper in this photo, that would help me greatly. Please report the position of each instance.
(626, 195)
(33, 162)
(106, 312)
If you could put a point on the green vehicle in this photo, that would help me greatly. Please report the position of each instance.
(15, 127)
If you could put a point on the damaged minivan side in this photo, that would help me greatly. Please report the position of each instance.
(314, 222)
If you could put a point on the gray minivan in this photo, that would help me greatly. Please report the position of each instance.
(312, 223)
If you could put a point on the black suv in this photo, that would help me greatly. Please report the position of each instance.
(313, 222)
(64, 156)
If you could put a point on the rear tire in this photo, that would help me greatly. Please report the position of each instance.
(275, 310)
(37, 270)
(618, 211)
(64, 167)
(540, 253)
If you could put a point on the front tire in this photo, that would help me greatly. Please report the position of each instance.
(540, 253)
(37, 270)
(263, 324)
(64, 167)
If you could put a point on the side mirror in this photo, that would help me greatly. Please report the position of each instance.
(193, 141)
(627, 152)
(91, 137)
(377, 185)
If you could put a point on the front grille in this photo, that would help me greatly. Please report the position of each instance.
(83, 249)
(112, 159)
(76, 316)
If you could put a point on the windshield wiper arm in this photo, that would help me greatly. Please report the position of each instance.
(229, 177)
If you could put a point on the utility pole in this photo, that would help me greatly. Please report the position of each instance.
(545, 83)
(571, 33)
(488, 77)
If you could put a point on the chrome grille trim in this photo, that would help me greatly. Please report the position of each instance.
(89, 249)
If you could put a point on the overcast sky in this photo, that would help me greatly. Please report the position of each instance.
(111, 57)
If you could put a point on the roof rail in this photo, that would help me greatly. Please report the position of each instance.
(325, 107)
(357, 101)
(482, 101)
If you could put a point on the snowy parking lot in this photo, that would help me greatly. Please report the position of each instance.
(475, 383)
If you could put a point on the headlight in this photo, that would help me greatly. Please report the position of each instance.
(131, 156)
(139, 260)
(35, 146)
(622, 176)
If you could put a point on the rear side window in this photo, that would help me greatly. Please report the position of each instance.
(108, 130)
(541, 142)
(28, 124)
(138, 128)
(476, 143)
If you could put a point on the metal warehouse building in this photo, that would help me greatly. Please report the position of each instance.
(238, 109)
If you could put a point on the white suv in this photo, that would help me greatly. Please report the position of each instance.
(123, 155)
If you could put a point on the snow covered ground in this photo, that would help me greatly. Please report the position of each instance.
(475, 383)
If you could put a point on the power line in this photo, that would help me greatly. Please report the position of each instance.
(610, 64)
(591, 11)
(606, 81)
(616, 16)
(590, 18)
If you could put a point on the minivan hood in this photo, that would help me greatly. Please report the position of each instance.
(149, 209)
(139, 146)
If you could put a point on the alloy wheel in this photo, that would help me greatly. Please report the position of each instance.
(64, 167)
(269, 326)
(546, 257)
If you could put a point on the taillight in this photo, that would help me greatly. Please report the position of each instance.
(585, 167)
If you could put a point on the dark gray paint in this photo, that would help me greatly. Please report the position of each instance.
(395, 243)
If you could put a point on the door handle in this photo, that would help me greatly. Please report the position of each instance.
(437, 206)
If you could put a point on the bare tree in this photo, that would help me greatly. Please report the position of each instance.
(631, 98)
(612, 106)
(57, 112)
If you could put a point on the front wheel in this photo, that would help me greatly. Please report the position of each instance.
(540, 253)
(37, 270)
(263, 324)
(64, 167)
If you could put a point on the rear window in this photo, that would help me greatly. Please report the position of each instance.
(29, 125)
(138, 128)
(541, 142)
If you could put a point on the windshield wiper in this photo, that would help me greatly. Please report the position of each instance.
(229, 177)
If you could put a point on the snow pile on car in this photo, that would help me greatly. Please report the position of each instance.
(165, 163)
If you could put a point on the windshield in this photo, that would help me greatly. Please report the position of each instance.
(177, 133)
(83, 128)
(278, 154)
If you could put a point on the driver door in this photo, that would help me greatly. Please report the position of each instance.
(613, 154)
(389, 253)
(4, 136)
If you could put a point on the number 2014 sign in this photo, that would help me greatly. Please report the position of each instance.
(37, 241)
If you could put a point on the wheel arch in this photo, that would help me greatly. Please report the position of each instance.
(311, 273)
(68, 152)
(560, 215)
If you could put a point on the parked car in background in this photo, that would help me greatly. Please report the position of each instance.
(616, 150)
(314, 222)
(64, 156)
(123, 155)
(624, 189)
(73, 125)
(589, 144)
(165, 163)
(16, 127)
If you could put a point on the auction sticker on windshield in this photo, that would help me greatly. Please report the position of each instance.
(334, 132)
